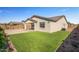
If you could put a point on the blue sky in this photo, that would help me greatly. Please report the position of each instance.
(18, 14)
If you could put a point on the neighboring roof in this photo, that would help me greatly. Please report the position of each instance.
(54, 19)
(15, 22)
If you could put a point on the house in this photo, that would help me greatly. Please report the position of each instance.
(46, 24)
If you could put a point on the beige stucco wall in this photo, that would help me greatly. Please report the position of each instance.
(27, 25)
(57, 26)
(37, 25)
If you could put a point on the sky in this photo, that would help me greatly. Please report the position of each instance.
(17, 14)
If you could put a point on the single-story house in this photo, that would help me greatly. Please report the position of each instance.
(46, 24)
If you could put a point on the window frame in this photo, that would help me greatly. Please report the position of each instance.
(42, 24)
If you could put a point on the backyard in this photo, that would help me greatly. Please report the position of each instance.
(38, 41)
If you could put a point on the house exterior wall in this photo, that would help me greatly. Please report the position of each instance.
(37, 25)
(50, 26)
(57, 26)
(28, 25)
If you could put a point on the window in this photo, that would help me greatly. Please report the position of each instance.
(42, 24)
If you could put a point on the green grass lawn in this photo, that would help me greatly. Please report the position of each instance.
(38, 41)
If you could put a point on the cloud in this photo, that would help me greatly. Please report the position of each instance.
(73, 18)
